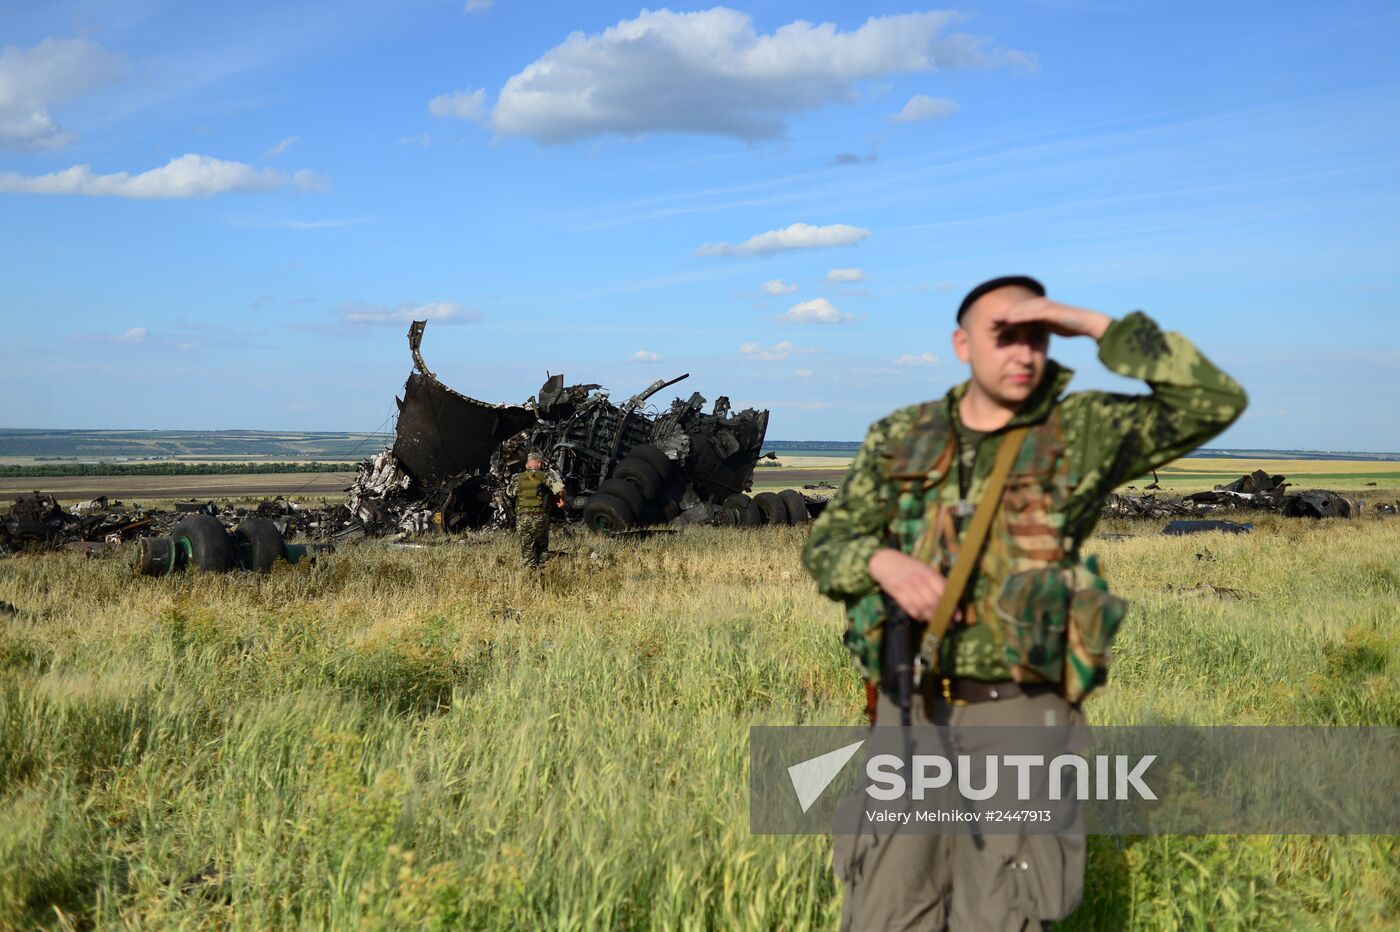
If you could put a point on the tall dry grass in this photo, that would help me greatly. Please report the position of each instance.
(436, 737)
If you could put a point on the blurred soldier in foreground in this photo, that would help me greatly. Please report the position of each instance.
(1028, 631)
(534, 490)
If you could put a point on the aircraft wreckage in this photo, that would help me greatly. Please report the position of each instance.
(1256, 491)
(623, 466)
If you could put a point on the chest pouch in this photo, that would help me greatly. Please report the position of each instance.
(530, 490)
(1059, 622)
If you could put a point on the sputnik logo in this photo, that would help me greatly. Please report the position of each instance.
(811, 777)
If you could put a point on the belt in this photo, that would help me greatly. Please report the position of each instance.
(957, 691)
(961, 692)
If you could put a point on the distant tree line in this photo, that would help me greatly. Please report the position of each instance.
(781, 445)
(53, 470)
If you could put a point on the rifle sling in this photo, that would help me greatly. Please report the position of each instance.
(970, 549)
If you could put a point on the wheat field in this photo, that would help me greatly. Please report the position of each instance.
(433, 737)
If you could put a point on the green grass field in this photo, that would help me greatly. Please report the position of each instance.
(432, 738)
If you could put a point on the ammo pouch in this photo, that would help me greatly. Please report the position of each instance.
(1058, 623)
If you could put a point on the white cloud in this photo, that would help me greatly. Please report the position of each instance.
(440, 311)
(281, 147)
(845, 276)
(134, 335)
(777, 286)
(183, 177)
(804, 373)
(477, 6)
(54, 71)
(711, 72)
(921, 108)
(645, 356)
(796, 236)
(462, 105)
(918, 359)
(775, 353)
(815, 311)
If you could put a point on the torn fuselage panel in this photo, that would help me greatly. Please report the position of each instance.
(443, 433)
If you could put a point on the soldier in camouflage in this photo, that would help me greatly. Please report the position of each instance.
(892, 531)
(534, 490)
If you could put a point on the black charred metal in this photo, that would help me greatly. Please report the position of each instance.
(1319, 503)
(1256, 491)
(443, 433)
(1182, 527)
(453, 455)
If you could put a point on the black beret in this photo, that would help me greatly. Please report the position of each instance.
(1025, 281)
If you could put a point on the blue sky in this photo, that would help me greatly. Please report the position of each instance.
(784, 200)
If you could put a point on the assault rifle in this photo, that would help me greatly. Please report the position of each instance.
(897, 658)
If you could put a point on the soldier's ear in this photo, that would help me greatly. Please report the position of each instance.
(960, 345)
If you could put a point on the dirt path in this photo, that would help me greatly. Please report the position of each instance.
(82, 488)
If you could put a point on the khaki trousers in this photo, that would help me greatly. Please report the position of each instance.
(963, 882)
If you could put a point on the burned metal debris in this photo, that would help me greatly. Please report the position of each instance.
(1256, 491)
(98, 527)
(1182, 527)
(623, 466)
(1263, 491)
(37, 520)
(1145, 506)
(1319, 503)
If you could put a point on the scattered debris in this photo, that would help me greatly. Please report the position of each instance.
(1201, 589)
(1257, 491)
(96, 506)
(1175, 528)
(207, 883)
(1319, 503)
(1260, 490)
(1144, 506)
(38, 521)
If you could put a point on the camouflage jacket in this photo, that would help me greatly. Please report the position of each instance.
(1101, 440)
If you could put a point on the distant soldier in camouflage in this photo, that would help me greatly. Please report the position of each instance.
(534, 490)
(891, 533)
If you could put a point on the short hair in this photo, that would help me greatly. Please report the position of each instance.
(1024, 281)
